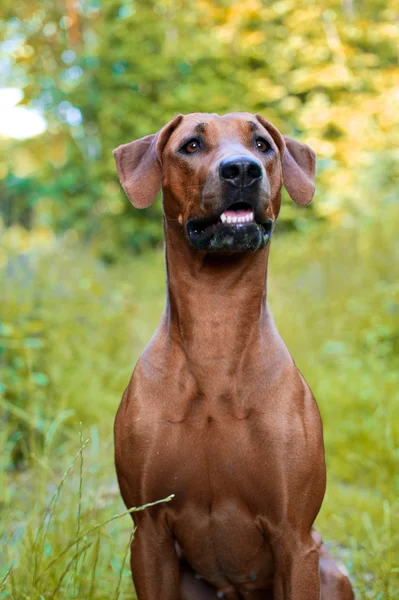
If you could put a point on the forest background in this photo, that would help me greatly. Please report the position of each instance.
(81, 272)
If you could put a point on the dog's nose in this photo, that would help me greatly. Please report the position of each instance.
(240, 171)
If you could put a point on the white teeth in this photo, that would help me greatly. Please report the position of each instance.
(243, 219)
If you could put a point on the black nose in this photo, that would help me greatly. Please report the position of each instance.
(240, 171)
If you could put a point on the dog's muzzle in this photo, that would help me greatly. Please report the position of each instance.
(236, 230)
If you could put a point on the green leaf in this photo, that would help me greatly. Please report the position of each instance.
(40, 379)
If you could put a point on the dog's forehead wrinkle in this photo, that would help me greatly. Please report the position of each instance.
(200, 127)
(214, 127)
(253, 126)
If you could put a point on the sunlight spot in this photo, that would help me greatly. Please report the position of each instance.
(18, 122)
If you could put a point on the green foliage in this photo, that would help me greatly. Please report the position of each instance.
(108, 73)
(334, 294)
(64, 314)
(77, 308)
(65, 545)
(338, 309)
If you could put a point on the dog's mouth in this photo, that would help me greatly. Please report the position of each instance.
(236, 230)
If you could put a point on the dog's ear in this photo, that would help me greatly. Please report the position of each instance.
(139, 165)
(139, 170)
(298, 163)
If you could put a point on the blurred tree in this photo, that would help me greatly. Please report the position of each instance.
(106, 73)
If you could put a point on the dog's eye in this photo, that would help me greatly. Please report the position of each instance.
(262, 144)
(191, 146)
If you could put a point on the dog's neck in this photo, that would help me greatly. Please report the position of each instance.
(216, 304)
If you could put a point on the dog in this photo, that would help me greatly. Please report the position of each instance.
(216, 412)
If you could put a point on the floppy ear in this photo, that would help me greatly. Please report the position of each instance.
(139, 170)
(298, 163)
(139, 165)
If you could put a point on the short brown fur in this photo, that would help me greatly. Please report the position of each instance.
(216, 411)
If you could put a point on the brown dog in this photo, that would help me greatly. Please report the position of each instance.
(217, 412)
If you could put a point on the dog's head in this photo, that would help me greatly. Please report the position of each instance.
(221, 177)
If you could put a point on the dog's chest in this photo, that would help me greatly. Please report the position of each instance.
(222, 475)
(211, 450)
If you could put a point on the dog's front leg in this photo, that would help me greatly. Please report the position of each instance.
(154, 563)
(296, 568)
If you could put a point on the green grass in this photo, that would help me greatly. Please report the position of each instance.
(71, 331)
